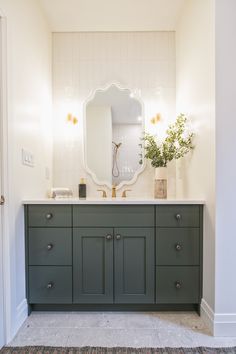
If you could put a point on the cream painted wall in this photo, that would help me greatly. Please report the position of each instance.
(29, 124)
(2, 121)
(225, 305)
(195, 72)
(82, 62)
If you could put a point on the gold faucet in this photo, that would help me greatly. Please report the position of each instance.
(113, 194)
(124, 195)
(104, 194)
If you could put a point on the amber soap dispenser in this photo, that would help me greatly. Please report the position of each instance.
(82, 189)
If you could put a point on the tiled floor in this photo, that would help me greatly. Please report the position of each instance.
(111, 329)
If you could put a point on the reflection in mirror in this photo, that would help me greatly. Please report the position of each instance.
(113, 128)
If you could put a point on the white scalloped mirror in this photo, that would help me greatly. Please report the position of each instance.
(113, 127)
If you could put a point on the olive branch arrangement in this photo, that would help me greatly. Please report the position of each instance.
(178, 142)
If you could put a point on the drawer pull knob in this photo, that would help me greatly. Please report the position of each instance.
(50, 285)
(49, 246)
(109, 237)
(178, 284)
(178, 247)
(118, 237)
(49, 216)
(178, 217)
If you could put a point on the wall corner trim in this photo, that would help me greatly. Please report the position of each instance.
(207, 315)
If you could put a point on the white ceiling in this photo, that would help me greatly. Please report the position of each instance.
(112, 15)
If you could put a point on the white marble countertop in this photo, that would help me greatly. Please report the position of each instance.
(98, 201)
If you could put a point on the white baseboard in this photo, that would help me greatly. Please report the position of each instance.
(21, 315)
(225, 325)
(22, 312)
(220, 324)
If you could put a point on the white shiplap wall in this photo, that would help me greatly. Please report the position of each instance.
(82, 62)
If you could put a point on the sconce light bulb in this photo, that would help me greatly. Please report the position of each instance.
(75, 120)
(69, 117)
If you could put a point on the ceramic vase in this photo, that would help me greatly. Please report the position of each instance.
(160, 186)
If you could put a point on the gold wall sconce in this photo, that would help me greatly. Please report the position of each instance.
(71, 119)
(156, 119)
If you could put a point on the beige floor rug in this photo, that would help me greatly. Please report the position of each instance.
(97, 350)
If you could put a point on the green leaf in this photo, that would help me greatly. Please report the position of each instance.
(178, 142)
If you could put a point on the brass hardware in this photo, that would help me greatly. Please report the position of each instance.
(178, 247)
(49, 216)
(2, 200)
(75, 120)
(104, 193)
(156, 119)
(124, 193)
(50, 285)
(71, 119)
(118, 237)
(108, 237)
(178, 284)
(49, 246)
(113, 194)
(178, 217)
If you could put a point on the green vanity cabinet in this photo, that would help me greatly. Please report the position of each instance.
(93, 265)
(178, 215)
(178, 254)
(49, 216)
(130, 256)
(177, 246)
(113, 265)
(50, 246)
(134, 265)
(50, 285)
(177, 285)
(113, 215)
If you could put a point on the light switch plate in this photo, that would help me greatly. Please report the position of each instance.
(27, 158)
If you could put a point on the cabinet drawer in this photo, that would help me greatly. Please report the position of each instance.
(50, 215)
(177, 285)
(177, 215)
(48, 285)
(113, 216)
(50, 246)
(177, 246)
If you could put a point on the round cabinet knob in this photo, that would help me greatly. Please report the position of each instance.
(50, 285)
(109, 237)
(49, 216)
(49, 246)
(178, 217)
(178, 247)
(178, 284)
(118, 237)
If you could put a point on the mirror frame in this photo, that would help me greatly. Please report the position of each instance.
(87, 169)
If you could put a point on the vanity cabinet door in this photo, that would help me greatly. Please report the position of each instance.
(134, 265)
(93, 265)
